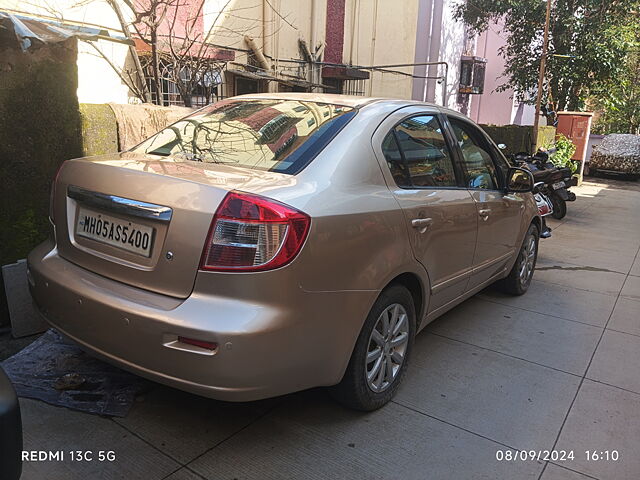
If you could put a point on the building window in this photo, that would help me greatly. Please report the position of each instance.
(334, 84)
(246, 85)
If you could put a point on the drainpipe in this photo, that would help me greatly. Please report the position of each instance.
(267, 42)
(373, 42)
(480, 97)
(354, 16)
(265, 28)
(264, 63)
(423, 30)
(312, 47)
(434, 50)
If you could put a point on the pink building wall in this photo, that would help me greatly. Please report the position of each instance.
(188, 22)
(492, 107)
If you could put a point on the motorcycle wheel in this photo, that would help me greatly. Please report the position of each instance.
(559, 207)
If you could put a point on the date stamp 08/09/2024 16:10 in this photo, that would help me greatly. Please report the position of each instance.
(556, 455)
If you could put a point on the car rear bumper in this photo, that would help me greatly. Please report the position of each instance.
(263, 349)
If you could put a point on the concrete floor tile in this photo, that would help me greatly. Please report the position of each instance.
(554, 472)
(605, 259)
(635, 269)
(51, 428)
(626, 316)
(604, 418)
(579, 276)
(568, 235)
(546, 340)
(631, 288)
(603, 223)
(511, 401)
(311, 437)
(616, 361)
(558, 300)
(184, 474)
(184, 425)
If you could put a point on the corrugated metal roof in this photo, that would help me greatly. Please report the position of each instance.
(28, 32)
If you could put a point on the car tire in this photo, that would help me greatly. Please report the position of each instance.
(559, 207)
(363, 387)
(519, 278)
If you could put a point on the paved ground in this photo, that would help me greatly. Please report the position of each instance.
(555, 369)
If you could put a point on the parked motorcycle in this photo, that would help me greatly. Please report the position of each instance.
(545, 207)
(556, 181)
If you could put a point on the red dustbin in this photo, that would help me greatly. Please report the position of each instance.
(576, 126)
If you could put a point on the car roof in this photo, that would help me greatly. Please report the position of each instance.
(338, 99)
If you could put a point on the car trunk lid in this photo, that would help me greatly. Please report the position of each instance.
(143, 220)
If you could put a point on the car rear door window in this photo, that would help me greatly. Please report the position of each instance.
(479, 168)
(394, 160)
(417, 154)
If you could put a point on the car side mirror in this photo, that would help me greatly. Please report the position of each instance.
(502, 146)
(519, 180)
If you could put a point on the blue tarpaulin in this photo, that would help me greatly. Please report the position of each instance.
(95, 386)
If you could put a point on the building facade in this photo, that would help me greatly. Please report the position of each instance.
(318, 45)
(413, 49)
(494, 106)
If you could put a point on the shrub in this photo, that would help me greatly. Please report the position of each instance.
(564, 151)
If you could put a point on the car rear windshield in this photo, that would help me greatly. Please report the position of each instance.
(275, 135)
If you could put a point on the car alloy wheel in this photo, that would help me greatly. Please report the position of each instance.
(387, 347)
(382, 352)
(521, 273)
(527, 260)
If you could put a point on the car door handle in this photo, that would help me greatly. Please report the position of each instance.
(484, 212)
(421, 224)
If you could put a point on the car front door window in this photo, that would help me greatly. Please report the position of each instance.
(480, 170)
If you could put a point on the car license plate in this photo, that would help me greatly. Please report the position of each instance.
(558, 185)
(123, 234)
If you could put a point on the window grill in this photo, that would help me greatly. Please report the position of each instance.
(207, 89)
(346, 87)
(354, 87)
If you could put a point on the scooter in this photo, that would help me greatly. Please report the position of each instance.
(545, 207)
(557, 181)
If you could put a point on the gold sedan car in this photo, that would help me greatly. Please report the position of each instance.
(272, 243)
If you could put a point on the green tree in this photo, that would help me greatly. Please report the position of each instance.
(618, 101)
(589, 41)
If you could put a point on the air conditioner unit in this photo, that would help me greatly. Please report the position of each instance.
(472, 70)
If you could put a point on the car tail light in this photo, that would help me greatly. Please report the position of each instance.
(52, 195)
(253, 233)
